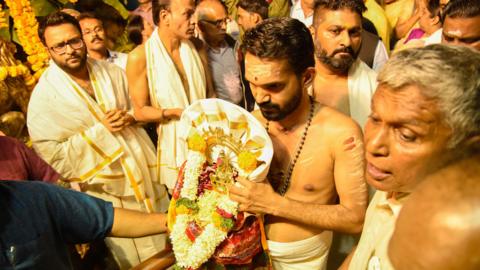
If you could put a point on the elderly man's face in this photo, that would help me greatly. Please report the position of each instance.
(462, 31)
(406, 138)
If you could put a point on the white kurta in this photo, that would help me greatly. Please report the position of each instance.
(65, 126)
(167, 91)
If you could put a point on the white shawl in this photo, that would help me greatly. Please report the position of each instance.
(65, 126)
(167, 91)
(362, 83)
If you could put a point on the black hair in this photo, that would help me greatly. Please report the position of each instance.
(259, 7)
(54, 19)
(157, 6)
(461, 9)
(356, 6)
(282, 38)
(135, 27)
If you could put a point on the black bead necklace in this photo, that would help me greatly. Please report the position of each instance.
(285, 183)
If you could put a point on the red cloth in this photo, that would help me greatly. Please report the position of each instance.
(18, 162)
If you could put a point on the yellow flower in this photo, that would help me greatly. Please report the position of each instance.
(3, 73)
(197, 143)
(247, 161)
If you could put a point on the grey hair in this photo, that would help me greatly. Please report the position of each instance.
(448, 74)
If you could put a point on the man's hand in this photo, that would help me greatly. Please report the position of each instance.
(172, 114)
(254, 197)
(115, 120)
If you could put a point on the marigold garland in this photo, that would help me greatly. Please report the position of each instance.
(3, 18)
(26, 26)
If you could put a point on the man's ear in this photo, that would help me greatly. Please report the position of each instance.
(308, 76)
(164, 17)
(257, 18)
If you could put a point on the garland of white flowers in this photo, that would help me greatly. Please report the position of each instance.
(194, 254)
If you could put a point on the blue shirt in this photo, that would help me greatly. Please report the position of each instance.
(39, 220)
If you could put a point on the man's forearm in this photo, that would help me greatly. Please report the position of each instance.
(130, 223)
(328, 217)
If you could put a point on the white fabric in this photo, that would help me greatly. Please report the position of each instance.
(296, 12)
(65, 126)
(362, 83)
(248, 133)
(167, 91)
(118, 58)
(435, 38)
(380, 57)
(310, 253)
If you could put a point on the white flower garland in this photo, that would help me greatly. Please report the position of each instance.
(194, 254)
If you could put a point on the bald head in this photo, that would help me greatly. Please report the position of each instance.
(439, 226)
(206, 9)
(212, 21)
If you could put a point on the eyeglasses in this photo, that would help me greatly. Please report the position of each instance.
(218, 23)
(61, 48)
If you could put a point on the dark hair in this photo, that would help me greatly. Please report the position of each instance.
(88, 15)
(282, 38)
(433, 7)
(54, 19)
(461, 9)
(157, 6)
(135, 27)
(259, 7)
(357, 6)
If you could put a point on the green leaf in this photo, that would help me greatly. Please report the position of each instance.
(118, 6)
(227, 223)
(187, 203)
(42, 7)
(5, 32)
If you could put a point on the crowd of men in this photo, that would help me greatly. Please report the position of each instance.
(391, 157)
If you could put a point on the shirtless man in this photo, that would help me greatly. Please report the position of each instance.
(165, 75)
(342, 81)
(318, 153)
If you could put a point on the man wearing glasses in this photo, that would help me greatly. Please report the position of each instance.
(79, 123)
(212, 22)
(94, 37)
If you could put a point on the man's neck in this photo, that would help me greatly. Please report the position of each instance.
(81, 74)
(215, 44)
(328, 74)
(170, 42)
(98, 54)
(296, 118)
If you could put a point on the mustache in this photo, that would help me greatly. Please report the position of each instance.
(97, 38)
(269, 106)
(348, 50)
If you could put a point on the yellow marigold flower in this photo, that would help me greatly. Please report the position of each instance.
(217, 219)
(182, 209)
(12, 71)
(247, 161)
(197, 143)
(3, 73)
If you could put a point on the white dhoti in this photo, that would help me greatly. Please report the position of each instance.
(310, 253)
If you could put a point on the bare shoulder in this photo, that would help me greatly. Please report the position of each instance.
(335, 122)
(137, 57)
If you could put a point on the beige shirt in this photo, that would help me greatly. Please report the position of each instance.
(371, 252)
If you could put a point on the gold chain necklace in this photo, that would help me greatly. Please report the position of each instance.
(285, 183)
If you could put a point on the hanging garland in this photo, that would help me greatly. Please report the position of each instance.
(26, 26)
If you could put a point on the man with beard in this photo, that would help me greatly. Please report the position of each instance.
(165, 75)
(94, 37)
(212, 21)
(342, 81)
(316, 179)
(79, 123)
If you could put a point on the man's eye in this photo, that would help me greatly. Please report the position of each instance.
(335, 31)
(407, 136)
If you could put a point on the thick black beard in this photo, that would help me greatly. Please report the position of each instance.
(70, 70)
(339, 65)
(280, 113)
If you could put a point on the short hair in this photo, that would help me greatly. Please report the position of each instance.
(135, 27)
(259, 7)
(157, 6)
(461, 9)
(448, 74)
(282, 38)
(88, 15)
(54, 19)
(356, 6)
(433, 7)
